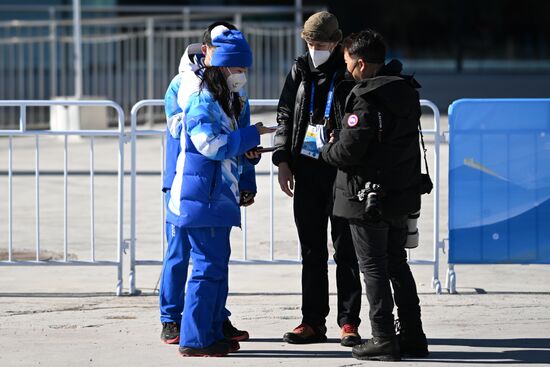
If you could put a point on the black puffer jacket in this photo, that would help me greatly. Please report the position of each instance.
(293, 109)
(389, 156)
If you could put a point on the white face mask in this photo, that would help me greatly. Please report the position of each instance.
(318, 57)
(236, 81)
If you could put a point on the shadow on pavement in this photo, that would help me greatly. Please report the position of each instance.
(526, 351)
(292, 354)
(495, 343)
(280, 340)
(523, 356)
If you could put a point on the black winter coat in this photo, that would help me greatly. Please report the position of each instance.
(294, 102)
(379, 143)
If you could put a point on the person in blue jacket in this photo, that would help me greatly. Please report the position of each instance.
(176, 261)
(213, 177)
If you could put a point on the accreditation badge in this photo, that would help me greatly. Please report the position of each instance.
(310, 147)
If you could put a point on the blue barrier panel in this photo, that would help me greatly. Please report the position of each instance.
(499, 181)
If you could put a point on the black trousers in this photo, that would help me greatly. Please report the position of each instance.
(383, 259)
(313, 194)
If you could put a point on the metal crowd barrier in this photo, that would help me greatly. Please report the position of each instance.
(22, 131)
(437, 244)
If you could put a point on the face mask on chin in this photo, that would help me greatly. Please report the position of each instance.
(236, 81)
(319, 57)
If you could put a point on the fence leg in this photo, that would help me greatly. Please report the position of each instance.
(451, 279)
(436, 284)
(120, 209)
(132, 241)
(119, 280)
(132, 281)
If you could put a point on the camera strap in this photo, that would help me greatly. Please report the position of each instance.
(380, 130)
(424, 150)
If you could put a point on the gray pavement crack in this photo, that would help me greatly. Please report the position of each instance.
(85, 307)
(33, 312)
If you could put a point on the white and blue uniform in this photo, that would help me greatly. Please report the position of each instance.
(203, 186)
(210, 173)
(210, 170)
(176, 259)
(175, 100)
(204, 204)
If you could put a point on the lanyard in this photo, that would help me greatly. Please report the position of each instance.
(329, 100)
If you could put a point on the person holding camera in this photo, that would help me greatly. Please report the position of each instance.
(378, 184)
(311, 105)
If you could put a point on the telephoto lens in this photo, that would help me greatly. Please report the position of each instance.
(412, 230)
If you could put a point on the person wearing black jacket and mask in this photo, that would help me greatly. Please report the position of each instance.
(377, 186)
(312, 105)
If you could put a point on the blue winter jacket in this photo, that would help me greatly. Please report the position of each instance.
(172, 110)
(175, 100)
(211, 168)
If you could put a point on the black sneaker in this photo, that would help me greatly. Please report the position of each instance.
(378, 349)
(231, 332)
(218, 349)
(412, 343)
(170, 333)
(306, 334)
(234, 345)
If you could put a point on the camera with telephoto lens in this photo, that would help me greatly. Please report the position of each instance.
(412, 230)
(371, 194)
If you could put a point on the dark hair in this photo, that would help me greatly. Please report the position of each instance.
(216, 83)
(207, 39)
(367, 45)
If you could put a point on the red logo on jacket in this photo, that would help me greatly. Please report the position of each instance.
(353, 120)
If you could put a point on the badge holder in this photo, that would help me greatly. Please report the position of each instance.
(310, 147)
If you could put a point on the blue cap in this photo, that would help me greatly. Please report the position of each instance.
(232, 50)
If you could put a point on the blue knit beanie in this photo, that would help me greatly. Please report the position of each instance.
(232, 50)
